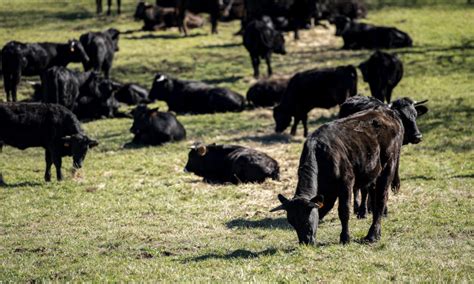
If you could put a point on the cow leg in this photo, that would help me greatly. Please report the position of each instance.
(99, 6)
(344, 212)
(268, 59)
(379, 202)
(255, 64)
(295, 125)
(329, 201)
(49, 162)
(356, 203)
(106, 68)
(297, 34)
(214, 19)
(57, 164)
(7, 85)
(119, 9)
(109, 4)
(304, 119)
(362, 210)
(182, 22)
(388, 94)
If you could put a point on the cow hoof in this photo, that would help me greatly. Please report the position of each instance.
(361, 216)
(345, 239)
(370, 239)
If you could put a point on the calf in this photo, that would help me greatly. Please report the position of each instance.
(153, 127)
(383, 72)
(100, 47)
(321, 88)
(51, 126)
(359, 36)
(261, 40)
(183, 96)
(156, 17)
(132, 94)
(229, 163)
(355, 151)
(267, 93)
(30, 59)
(109, 5)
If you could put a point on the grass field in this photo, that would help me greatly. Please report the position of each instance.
(135, 215)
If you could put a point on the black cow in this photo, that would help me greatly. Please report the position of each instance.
(51, 126)
(211, 7)
(30, 59)
(229, 163)
(132, 94)
(109, 4)
(297, 12)
(153, 127)
(383, 72)
(321, 88)
(160, 18)
(261, 40)
(359, 150)
(100, 47)
(233, 10)
(99, 101)
(359, 36)
(184, 96)
(352, 9)
(266, 93)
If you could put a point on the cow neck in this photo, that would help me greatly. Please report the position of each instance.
(62, 57)
(307, 187)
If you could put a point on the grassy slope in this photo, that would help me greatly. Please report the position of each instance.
(136, 216)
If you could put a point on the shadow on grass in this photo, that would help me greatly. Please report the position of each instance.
(230, 79)
(31, 17)
(20, 184)
(237, 254)
(268, 139)
(226, 45)
(266, 223)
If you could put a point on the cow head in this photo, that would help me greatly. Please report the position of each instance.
(342, 24)
(76, 146)
(282, 119)
(279, 43)
(408, 111)
(77, 52)
(114, 35)
(303, 216)
(141, 118)
(140, 11)
(162, 86)
(197, 158)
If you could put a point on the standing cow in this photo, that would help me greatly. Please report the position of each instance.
(211, 7)
(261, 40)
(100, 47)
(322, 88)
(383, 72)
(51, 126)
(109, 5)
(156, 17)
(31, 59)
(359, 150)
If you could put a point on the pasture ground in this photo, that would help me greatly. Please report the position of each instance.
(136, 216)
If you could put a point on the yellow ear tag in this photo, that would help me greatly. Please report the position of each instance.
(320, 204)
(72, 49)
(66, 145)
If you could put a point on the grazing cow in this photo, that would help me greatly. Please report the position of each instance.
(100, 47)
(297, 12)
(132, 94)
(358, 150)
(30, 59)
(267, 93)
(153, 127)
(184, 96)
(212, 7)
(261, 40)
(359, 36)
(51, 126)
(229, 163)
(109, 4)
(160, 18)
(383, 72)
(321, 88)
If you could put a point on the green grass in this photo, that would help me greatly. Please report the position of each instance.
(136, 216)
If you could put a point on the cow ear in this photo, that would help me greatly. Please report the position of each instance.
(421, 110)
(201, 150)
(66, 141)
(93, 143)
(284, 201)
(319, 201)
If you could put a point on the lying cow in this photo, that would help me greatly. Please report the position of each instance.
(352, 9)
(109, 5)
(383, 72)
(359, 36)
(229, 163)
(51, 126)
(100, 47)
(160, 18)
(132, 94)
(31, 59)
(321, 88)
(358, 150)
(183, 96)
(267, 93)
(153, 127)
(261, 40)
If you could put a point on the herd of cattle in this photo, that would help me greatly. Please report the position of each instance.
(358, 152)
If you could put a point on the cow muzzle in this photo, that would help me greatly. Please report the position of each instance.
(417, 138)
